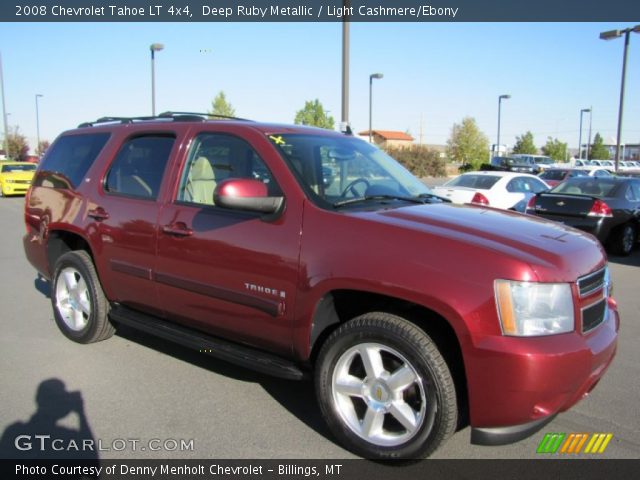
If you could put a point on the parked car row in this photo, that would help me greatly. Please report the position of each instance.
(590, 199)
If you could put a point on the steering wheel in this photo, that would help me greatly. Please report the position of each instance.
(351, 187)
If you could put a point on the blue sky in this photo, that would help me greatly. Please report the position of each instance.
(437, 72)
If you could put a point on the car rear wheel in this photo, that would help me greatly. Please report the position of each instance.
(384, 388)
(80, 307)
(624, 240)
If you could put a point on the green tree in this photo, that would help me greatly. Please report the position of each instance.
(42, 148)
(17, 146)
(524, 144)
(419, 160)
(314, 114)
(220, 106)
(555, 149)
(598, 150)
(467, 144)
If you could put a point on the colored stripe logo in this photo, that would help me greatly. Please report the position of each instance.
(573, 443)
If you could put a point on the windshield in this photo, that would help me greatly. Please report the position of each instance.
(544, 160)
(335, 169)
(27, 167)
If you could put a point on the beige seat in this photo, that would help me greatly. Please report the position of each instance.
(201, 182)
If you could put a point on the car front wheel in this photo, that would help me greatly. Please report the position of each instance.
(80, 307)
(624, 240)
(384, 388)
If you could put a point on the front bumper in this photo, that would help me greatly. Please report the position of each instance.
(15, 188)
(517, 385)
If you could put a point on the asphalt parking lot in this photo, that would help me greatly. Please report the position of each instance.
(133, 389)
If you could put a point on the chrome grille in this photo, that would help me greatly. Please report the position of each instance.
(594, 315)
(592, 283)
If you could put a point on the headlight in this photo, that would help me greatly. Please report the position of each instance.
(529, 309)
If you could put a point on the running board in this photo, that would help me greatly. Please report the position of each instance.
(241, 355)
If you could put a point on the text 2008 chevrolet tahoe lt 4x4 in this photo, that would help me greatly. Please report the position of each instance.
(296, 251)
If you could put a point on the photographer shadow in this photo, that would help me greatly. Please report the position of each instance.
(42, 437)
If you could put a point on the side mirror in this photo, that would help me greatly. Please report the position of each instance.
(245, 194)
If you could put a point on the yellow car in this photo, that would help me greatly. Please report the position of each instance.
(15, 177)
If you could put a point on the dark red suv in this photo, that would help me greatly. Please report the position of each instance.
(297, 251)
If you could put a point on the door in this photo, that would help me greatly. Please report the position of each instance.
(125, 214)
(228, 272)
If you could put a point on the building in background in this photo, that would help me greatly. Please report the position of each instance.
(389, 138)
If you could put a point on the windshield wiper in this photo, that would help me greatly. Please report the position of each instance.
(367, 198)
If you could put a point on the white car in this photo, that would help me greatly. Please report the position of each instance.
(506, 190)
(599, 172)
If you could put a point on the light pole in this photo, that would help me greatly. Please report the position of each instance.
(589, 141)
(38, 95)
(610, 35)
(584, 110)
(344, 121)
(500, 98)
(377, 76)
(155, 47)
(4, 113)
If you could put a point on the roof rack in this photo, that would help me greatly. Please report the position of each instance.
(167, 116)
(205, 116)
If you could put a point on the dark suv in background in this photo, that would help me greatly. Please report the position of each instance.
(511, 164)
(302, 252)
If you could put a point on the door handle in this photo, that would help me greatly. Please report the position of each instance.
(98, 214)
(178, 229)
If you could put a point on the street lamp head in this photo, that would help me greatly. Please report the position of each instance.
(504, 97)
(39, 95)
(636, 29)
(585, 110)
(156, 47)
(610, 35)
(376, 75)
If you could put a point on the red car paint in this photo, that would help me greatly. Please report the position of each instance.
(260, 282)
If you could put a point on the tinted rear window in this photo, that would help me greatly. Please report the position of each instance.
(482, 182)
(593, 188)
(69, 158)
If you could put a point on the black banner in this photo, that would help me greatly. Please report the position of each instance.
(579, 469)
(318, 11)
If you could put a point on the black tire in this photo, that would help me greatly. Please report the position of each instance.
(92, 325)
(431, 394)
(623, 240)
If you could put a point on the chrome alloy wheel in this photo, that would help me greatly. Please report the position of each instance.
(72, 299)
(378, 394)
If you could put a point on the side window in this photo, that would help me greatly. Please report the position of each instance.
(535, 186)
(138, 168)
(515, 185)
(635, 186)
(214, 157)
(67, 161)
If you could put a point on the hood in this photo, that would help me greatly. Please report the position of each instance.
(18, 175)
(553, 251)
